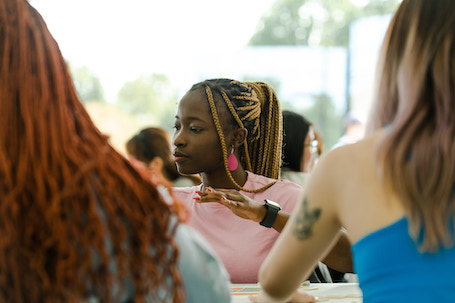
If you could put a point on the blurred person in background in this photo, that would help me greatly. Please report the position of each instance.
(301, 147)
(354, 130)
(150, 151)
(301, 150)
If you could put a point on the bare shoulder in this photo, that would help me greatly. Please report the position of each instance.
(354, 156)
(347, 181)
(342, 169)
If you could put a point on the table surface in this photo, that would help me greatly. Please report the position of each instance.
(326, 292)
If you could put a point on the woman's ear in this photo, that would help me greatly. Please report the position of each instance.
(156, 165)
(240, 135)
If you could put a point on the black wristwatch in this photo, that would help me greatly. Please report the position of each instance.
(272, 212)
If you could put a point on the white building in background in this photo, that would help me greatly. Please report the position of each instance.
(367, 35)
(302, 72)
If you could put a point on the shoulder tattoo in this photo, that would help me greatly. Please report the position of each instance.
(305, 219)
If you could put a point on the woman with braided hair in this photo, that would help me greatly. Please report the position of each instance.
(230, 133)
(77, 222)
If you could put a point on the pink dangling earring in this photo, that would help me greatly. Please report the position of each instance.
(232, 161)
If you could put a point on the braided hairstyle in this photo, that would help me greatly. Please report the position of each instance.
(76, 220)
(255, 107)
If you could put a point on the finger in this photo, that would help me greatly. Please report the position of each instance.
(227, 192)
(216, 199)
(207, 199)
(232, 203)
(302, 296)
(209, 195)
(215, 191)
(201, 193)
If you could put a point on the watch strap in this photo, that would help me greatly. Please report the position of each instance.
(270, 216)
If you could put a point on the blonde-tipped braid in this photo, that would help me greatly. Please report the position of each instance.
(254, 112)
(216, 120)
(239, 122)
(267, 149)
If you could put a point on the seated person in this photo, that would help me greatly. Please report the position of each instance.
(150, 151)
(78, 222)
(230, 132)
(393, 190)
(301, 150)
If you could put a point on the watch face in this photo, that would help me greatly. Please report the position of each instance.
(269, 202)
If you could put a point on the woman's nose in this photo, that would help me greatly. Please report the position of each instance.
(178, 138)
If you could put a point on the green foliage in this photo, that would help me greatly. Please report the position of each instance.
(151, 99)
(88, 86)
(315, 22)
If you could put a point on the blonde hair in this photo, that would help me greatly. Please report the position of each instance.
(254, 106)
(416, 99)
(76, 220)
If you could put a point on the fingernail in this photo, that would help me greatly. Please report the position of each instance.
(198, 192)
(196, 198)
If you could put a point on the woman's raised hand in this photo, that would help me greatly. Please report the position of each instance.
(238, 203)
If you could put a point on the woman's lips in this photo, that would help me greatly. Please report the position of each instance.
(178, 157)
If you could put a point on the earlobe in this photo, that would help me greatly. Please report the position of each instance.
(156, 165)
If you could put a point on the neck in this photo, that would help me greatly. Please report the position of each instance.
(223, 181)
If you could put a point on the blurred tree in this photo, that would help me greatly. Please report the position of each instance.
(88, 86)
(315, 22)
(151, 99)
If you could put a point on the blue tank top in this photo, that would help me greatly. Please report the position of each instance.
(391, 269)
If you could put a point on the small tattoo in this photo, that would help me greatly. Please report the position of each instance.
(305, 220)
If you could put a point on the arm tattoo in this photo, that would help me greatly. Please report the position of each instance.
(305, 220)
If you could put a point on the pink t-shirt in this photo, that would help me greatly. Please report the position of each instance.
(241, 244)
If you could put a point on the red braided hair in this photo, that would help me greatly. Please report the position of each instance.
(71, 208)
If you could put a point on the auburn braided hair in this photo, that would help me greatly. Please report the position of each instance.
(76, 220)
(254, 106)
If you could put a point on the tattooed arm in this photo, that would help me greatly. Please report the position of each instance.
(304, 221)
(311, 232)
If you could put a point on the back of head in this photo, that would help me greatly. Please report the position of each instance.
(150, 143)
(65, 192)
(415, 98)
(295, 129)
(254, 106)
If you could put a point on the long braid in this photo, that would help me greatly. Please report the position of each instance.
(269, 142)
(65, 193)
(239, 122)
(255, 107)
(216, 120)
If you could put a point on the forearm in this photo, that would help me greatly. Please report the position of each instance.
(281, 221)
(340, 256)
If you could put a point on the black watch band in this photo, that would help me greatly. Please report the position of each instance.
(272, 212)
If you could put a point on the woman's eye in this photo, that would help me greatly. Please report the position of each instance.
(195, 130)
(176, 127)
